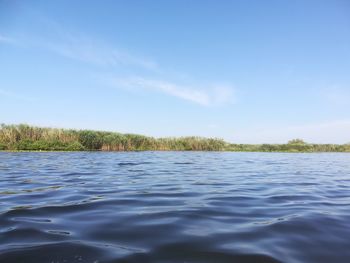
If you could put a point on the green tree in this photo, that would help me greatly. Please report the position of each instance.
(296, 141)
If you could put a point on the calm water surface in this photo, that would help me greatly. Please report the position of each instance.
(174, 207)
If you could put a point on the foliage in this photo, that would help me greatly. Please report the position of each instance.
(297, 142)
(90, 140)
(2, 146)
(25, 137)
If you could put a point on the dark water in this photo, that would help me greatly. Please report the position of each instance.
(174, 207)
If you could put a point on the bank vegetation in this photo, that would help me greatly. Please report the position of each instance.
(23, 137)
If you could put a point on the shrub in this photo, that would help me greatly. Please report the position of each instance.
(2, 146)
(75, 146)
(90, 140)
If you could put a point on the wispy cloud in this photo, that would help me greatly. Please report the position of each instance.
(81, 48)
(114, 60)
(204, 96)
(87, 50)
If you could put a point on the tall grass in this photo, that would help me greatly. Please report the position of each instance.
(25, 137)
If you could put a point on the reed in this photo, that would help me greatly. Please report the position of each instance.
(31, 138)
(25, 137)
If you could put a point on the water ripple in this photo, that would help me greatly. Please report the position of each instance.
(174, 207)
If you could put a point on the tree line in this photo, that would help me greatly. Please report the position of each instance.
(31, 138)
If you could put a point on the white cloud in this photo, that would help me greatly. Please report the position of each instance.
(87, 50)
(92, 51)
(81, 48)
(203, 96)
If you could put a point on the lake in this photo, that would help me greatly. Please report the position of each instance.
(174, 207)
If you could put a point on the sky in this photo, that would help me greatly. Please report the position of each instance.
(246, 71)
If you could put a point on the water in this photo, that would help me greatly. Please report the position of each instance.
(174, 207)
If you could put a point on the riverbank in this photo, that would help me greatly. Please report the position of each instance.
(23, 137)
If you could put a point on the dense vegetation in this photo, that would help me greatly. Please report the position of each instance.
(25, 137)
(291, 146)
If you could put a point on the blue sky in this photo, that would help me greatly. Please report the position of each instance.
(246, 71)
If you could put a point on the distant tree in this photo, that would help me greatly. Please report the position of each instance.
(297, 141)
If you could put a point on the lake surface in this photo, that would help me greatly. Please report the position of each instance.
(174, 207)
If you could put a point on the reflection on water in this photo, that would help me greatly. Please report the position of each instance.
(174, 207)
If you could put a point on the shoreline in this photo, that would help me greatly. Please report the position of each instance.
(23, 137)
(135, 151)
